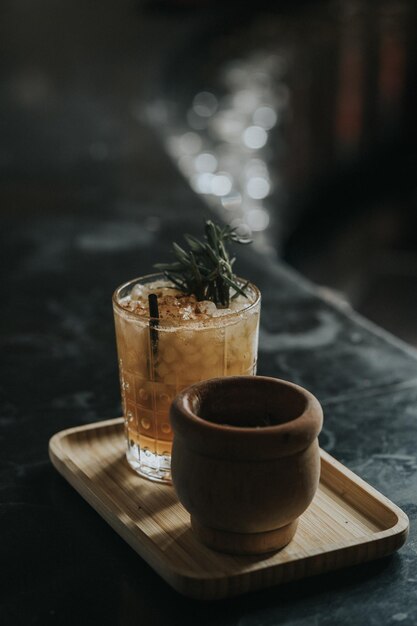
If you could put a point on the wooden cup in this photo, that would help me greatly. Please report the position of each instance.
(245, 460)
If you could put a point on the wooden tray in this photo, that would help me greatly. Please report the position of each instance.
(348, 522)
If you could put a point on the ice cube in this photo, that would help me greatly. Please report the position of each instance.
(207, 307)
(137, 293)
(239, 303)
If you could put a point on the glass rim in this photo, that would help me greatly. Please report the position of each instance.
(184, 323)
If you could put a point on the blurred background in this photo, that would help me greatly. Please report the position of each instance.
(295, 122)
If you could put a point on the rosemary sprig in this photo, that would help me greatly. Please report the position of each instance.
(206, 269)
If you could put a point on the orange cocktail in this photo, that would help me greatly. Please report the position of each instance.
(190, 341)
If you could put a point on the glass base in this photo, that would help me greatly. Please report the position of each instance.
(156, 467)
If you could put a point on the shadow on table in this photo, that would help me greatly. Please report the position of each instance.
(300, 599)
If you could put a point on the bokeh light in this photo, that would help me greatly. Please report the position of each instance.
(258, 219)
(205, 104)
(265, 117)
(221, 184)
(205, 162)
(258, 187)
(255, 137)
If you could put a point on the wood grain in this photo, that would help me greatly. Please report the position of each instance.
(348, 522)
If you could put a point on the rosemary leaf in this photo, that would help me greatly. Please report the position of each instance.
(205, 270)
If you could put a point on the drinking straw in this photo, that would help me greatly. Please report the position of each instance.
(153, 322)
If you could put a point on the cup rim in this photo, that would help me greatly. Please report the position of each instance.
(264, 442)
(187, 323)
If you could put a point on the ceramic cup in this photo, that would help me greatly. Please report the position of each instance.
(245, 460)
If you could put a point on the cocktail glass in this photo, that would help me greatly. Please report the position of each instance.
(158, 358)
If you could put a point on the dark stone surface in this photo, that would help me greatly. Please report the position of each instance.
(323, 345)
(89, 199)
